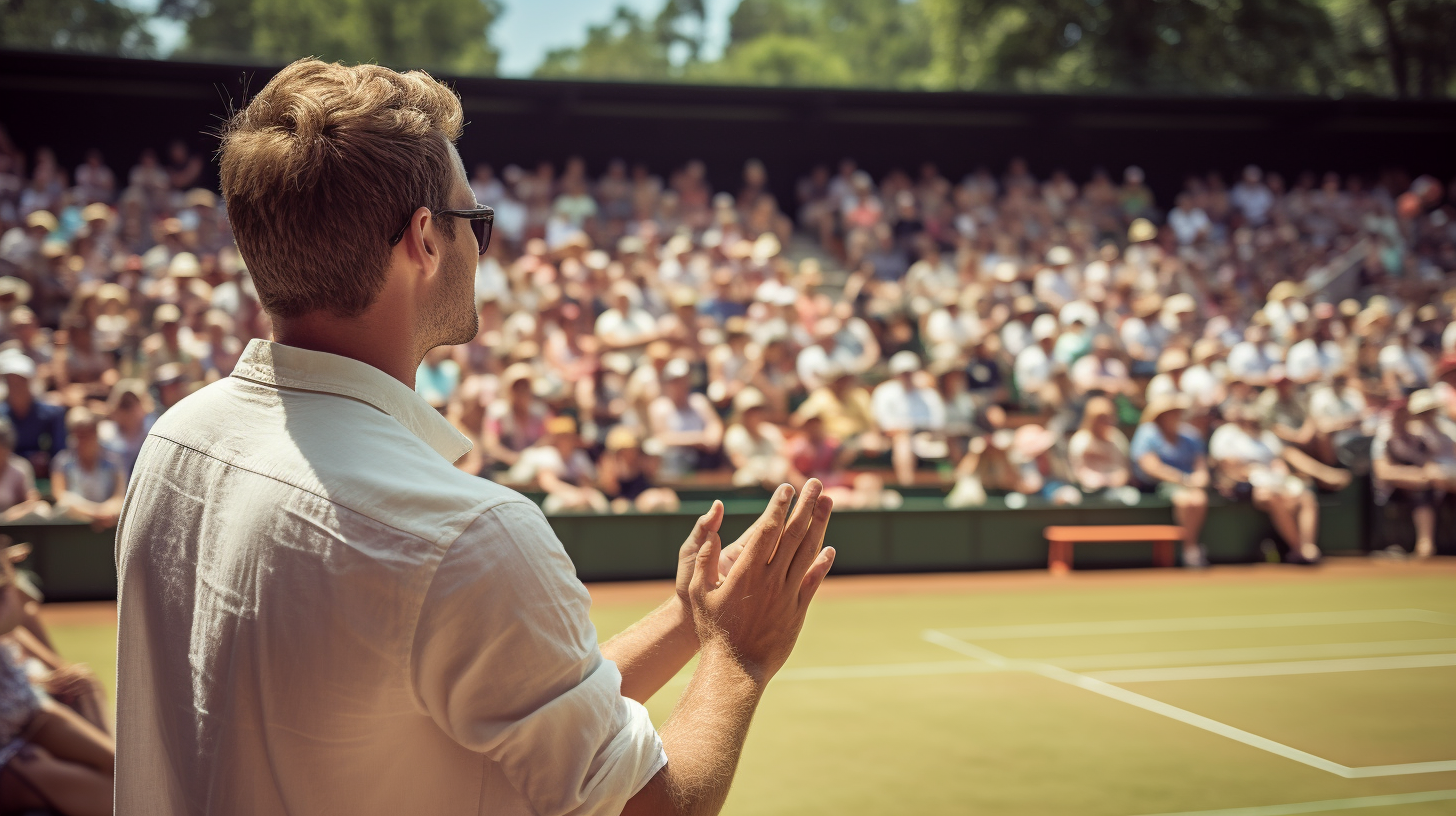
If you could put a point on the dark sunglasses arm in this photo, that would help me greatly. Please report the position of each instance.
(481, 213)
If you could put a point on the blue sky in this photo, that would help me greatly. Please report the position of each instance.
(528, 28)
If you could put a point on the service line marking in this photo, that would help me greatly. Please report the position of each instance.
(1251, 654)
(1325, 806)
(1132, 698)
(1137, 627)
(1228, 670)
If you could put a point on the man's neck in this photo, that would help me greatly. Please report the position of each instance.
(365, 338)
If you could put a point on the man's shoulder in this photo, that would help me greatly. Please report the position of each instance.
(340, 449)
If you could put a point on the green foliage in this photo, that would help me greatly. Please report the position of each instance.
(629, 46)
(781, 59)
(1169, 45)
(96, 26)
(771, 42)
(447, 35)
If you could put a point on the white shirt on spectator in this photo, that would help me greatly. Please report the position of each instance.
(319, 613)
(1410, 365)
(899, 409)
(1310, 360)
(1187, 225)
(1249, 359)
(637, 326)
(1034, 369)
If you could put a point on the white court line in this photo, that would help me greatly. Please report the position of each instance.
(1251, 654)
(1228, 670)
(1105, 689)
(887, 670)
(1326, 805)
(1129, 627)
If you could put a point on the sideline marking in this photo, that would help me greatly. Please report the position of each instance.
(1120, 694)
(1325, 806)
(1251, 654)
(1275, 669)
(1134, 627)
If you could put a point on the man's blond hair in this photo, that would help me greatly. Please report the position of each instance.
(322, 167)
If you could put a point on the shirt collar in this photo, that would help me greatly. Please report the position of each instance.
(290, 367)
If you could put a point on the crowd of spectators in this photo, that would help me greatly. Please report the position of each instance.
(1042, 339)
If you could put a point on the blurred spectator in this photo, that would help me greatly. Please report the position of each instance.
(88, 480)
(40, 427)
(754, 445)
(1252, 464)
(18, 494)
(911, 414)
(1098, 451)
(627, 476)
(1168, 458)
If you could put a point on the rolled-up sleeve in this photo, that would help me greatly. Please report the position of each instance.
(505, 660)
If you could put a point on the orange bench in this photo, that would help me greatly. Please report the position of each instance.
(1060, 541)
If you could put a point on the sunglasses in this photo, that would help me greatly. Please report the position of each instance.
(482, 220)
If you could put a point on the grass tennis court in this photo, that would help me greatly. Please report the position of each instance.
(1104, 693)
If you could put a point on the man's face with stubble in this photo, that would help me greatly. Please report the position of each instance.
(450, 317)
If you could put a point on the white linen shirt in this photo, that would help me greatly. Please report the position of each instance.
(319, 614)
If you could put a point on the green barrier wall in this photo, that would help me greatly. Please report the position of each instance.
(73, 562)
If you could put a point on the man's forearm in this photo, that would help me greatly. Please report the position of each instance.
(703, 739)
(653, 649)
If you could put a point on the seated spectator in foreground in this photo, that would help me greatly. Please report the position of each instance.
(40, 427)
(626, 475)
(911, 413)
(63, 762)
(684, 423)
(1168, 459)
(559, 465)
(1250, 463)
(1406, 462)
(18, 494)
(754, 445)
(88, 481)
(1098, 452)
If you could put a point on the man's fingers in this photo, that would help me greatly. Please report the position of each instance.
(813, 538)
(729, 558)
(760, 541)
(705, 573)
(707, 523)
(800, 518)
(815, 576)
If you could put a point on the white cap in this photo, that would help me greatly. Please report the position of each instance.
(1043, 327)
(14, 361)
(904, 362)
(676, 368)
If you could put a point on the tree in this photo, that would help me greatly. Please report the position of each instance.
(1134, 45)
(446, 35)
(1399, 47)
(95, 26)
(628, 46)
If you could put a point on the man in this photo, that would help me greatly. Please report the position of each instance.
(318, 612)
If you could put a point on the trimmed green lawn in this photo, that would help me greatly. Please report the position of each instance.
(1014, 742)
